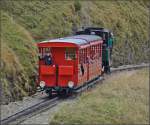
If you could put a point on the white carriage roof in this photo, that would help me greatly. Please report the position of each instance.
(77, 39)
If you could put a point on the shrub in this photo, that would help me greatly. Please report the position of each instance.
(77, 6)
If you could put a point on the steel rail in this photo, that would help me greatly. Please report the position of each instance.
(129, 67)
(32, 109)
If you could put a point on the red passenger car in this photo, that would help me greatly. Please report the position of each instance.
(67, 63)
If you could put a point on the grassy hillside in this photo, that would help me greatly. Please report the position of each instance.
(121, 99)
(25, 22)
(127, 19)
(18, 60)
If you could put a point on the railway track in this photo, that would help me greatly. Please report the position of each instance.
(129, 67)
(113, 70)
(30, 111)
(47, 104)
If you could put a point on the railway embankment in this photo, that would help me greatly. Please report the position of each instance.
(17, 106)
(122, 99)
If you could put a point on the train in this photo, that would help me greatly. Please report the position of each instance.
(68, 63)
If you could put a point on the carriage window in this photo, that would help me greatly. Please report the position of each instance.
(43, 52)
(70, 54)
(47, 50)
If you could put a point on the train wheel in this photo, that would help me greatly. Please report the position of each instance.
(69, 92)
(49, 93)
(61, 93)
(108, 70)
(65, 93)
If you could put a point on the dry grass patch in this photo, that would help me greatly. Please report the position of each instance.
(18, 62)
(122, 99)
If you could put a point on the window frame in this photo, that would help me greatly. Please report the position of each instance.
(70, 55)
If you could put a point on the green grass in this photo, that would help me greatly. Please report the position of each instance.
(18, 59)
(50, 19)
(121, 99)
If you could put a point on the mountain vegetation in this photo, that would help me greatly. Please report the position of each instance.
(26, 22)
(123, 98)
(18, 60)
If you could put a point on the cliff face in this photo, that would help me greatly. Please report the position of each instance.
(23, 22)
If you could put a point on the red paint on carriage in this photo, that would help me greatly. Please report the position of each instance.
(74, 61)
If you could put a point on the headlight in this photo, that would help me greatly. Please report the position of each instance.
(42, 84)
(70, 84)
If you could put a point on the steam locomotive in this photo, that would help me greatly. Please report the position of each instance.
(68, 63)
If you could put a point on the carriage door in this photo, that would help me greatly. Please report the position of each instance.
(66, 70)
(83, 66)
